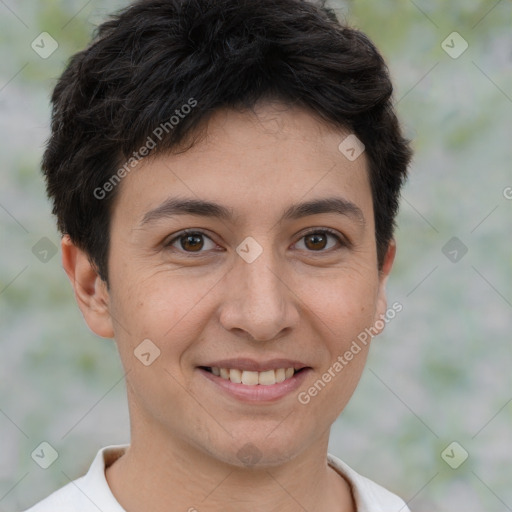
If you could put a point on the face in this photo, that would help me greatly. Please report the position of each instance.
(248, 286)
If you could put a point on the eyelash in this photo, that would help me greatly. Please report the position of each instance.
(342, 242)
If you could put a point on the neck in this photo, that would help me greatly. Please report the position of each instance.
(158, 473)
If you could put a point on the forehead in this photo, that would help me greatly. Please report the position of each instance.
(253, 162)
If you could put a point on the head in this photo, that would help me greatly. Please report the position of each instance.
(225, 118)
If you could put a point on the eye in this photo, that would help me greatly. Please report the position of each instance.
(190, 241)
(317, 240)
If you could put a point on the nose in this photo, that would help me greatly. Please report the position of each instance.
(259, 304)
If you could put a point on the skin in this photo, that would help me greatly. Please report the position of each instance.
(299, 299)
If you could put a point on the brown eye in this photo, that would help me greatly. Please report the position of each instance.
(318, 241)
(191, 242)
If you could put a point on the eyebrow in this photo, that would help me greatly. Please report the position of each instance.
(189, 206)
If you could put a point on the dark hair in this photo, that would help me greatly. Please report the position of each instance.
(156, 56)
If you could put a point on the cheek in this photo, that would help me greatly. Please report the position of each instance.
(150, 302)
(345, 303)
(165, 307)
(167, 310)
(344, 312)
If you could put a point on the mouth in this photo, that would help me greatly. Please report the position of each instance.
(253, 378)
(253, 382)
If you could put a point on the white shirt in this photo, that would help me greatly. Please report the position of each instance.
(91, 492)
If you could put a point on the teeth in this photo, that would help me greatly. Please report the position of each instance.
(249, 378)
(280, 375)
(235, 376)
(266, 378)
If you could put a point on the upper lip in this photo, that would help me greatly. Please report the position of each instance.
(252, 365)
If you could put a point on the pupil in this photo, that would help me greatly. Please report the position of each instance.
(194, 241)
(316, 237)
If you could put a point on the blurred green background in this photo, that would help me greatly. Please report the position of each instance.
(439, 373)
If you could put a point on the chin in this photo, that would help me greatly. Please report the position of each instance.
(258, 451)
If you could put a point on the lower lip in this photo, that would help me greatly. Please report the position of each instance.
(259, 392)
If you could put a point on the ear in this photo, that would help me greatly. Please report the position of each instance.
(91, 292)
(382, 302)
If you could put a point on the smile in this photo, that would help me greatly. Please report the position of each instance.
(255, 382)
(253, 378)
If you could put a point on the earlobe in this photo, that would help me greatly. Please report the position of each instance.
(381, 307)
(90, 290)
